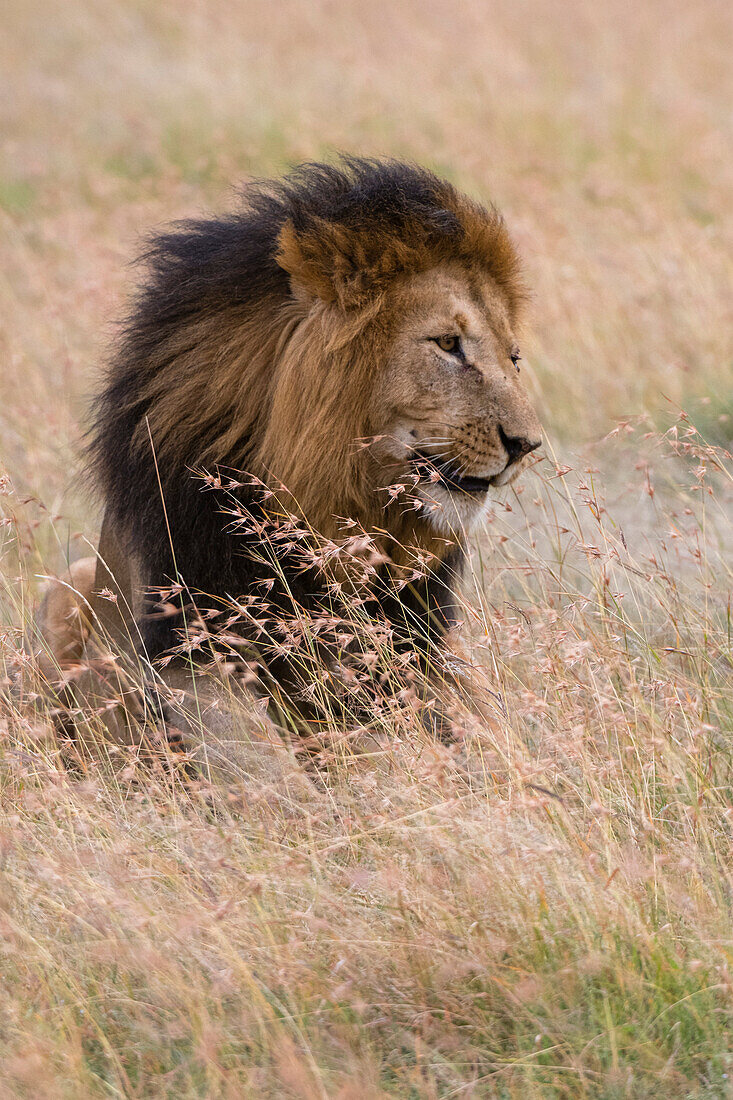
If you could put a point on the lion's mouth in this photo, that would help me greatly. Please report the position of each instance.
(448, 473)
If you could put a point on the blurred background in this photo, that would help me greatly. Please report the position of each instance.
(603, 132)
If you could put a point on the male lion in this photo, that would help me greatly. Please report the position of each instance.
(349, 332)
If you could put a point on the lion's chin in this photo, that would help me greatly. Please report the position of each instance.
(458, 507)
(453, 513)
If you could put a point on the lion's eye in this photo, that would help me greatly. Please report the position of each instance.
(516, 358)
(448, 343)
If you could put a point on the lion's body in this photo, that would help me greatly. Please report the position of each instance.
(293, 340)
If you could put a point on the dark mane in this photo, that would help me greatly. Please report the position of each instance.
(192, 380)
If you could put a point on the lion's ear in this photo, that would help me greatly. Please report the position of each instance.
(327, 261)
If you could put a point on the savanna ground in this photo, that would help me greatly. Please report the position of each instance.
(545, 909)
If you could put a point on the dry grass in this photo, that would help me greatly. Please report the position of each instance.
(544, 911)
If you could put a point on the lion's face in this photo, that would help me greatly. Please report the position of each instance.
(451, 406)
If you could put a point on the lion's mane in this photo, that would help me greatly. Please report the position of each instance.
(252, 346)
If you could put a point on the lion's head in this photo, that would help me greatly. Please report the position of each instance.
(352, 328)
(408, 301)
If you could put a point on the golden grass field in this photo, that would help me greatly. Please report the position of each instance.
(543, 910)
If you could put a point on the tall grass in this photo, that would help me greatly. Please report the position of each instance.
(542, 906)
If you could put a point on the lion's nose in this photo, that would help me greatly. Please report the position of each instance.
(517, 446)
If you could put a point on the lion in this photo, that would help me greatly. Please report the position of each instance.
(348, 338)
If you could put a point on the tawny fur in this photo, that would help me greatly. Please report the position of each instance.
(65, 618)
